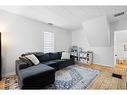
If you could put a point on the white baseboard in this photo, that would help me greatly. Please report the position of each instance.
(8, 74)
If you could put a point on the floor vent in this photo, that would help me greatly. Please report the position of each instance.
(117, 76)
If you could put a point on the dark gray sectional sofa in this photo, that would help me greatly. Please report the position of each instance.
(38, 76)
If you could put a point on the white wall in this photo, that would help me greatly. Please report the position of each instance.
(102, 55)
(20, 35)
(102, 40)
(97, 31)
(119, 25)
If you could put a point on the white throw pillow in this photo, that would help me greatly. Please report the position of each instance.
(33, 59)
(65, 55)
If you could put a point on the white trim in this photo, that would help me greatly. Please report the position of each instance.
(8, 74)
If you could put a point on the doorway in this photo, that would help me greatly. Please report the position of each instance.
(120, 48)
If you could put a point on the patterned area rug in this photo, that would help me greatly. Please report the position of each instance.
(10, 82)
(72, 77)
(75, 77)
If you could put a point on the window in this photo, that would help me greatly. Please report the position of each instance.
(48, 42)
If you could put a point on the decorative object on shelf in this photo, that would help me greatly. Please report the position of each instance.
(90, 57)
(74, 52)
(86, 57)
(82, 56)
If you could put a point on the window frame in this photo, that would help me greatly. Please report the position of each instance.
(51, 42)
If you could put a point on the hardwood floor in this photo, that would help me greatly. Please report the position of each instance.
(105, 80)
(122, 66)
(1, 84)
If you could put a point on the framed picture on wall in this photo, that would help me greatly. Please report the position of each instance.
(125, 47)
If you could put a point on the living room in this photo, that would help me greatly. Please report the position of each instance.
(57, 31)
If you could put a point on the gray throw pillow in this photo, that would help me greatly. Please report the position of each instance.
(26, 60)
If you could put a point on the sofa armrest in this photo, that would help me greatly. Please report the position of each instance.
(72, 58)
(20, 65)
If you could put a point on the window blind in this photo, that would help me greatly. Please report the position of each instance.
(48, 42)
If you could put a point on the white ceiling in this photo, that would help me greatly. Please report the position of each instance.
(67, 17)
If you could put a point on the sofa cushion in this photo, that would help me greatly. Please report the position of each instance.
(26, 60)
(34, 72)
(43, 58)
(52, 64)
(59, 60)
(21, 65)
(54, 56)
(63, 63)
(69, 62)
(35, 53)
